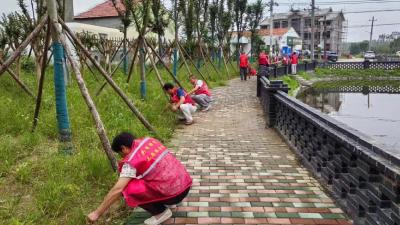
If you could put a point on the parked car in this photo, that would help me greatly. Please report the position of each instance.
(369, 55)
(331, 56)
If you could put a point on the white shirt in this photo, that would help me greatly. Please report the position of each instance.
(199, 83)
(128, 171)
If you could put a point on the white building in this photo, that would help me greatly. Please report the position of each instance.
(280, 38)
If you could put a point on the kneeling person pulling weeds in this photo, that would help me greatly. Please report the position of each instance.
(181, 101)
(150, 178)
(200, 93)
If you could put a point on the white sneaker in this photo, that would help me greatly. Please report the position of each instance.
(163, 217)
(171, 206)
(206, 108)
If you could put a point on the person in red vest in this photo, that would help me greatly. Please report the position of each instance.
(243, 64)
(181, 101)
(294, 59)
(263, 64)
(200, 93)
(150, 177)
(252, 72)
(285, 62)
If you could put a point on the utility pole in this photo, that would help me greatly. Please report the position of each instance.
(271, 10)
(324, 36)
(312, 28)
(372, 30)
(175, 71)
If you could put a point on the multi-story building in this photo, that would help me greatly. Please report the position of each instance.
(327, 22)
(388, 37)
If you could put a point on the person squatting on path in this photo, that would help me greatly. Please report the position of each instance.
(200, 93)
(243, 64)
(150, 177)
(294, 59)
(181, 101)
(263, 64)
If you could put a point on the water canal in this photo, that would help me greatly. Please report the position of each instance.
(374, 114)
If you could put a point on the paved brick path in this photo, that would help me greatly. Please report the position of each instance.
(244, 173)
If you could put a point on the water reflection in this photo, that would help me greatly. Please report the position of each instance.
(377, 115)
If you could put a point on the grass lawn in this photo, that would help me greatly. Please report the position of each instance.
(290, 81)
(40, 186)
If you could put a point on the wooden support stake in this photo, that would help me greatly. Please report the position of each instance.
(132, 64)
(156, 70)
(190, 59)
(24, 44)
(184, 59)
(19, 82)
(223, 58)
(42, 76)
(92, 107)
(117, 89)
(114, 71)
(215, 68)
(166, 67)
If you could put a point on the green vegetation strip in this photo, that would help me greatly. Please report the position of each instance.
(323, 72)
(40, 186)
(360, 83)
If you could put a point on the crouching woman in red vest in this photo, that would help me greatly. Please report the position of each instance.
(150, 178)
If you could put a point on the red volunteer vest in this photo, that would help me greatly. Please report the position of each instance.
(244, 61)
(295, 59)
(175, 98)
(253, 72)
(263, 59)
(285, 60)
(203, 90)
(159, 174)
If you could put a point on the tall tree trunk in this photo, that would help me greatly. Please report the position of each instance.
(160, 45)
(124, 48)
(142, 61)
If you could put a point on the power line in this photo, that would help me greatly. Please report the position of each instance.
(375, 25)
(341, 2)
(370, 11)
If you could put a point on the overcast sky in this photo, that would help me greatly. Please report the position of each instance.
(354, 34)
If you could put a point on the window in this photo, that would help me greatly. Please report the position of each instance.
(103, 36)
(307, 36)
(265, 27)
(277, 24)
(307, 23)
(317, 21)
(328, 23)
(285, 24)
(328, 34)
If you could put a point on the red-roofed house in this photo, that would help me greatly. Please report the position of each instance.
(279, 38)
(104, 15)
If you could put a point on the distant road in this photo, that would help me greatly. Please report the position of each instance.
(351, 60)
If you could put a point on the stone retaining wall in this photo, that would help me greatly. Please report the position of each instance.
(363, 176)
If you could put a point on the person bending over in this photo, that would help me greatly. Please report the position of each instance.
(150, 177)
(200, 93)
(182, 102)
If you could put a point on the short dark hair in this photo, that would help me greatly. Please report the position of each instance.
(168, 86)
(123, 139)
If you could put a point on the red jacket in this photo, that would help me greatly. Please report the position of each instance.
(263, 59)
(203, 90)
(253, 72)
(244, 61)
(294, 59)
(175, 98)
(159, 175)
(285, 60)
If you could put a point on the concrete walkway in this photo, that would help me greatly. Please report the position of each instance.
(244, 173)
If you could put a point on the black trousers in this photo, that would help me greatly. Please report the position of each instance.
(156, 208)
